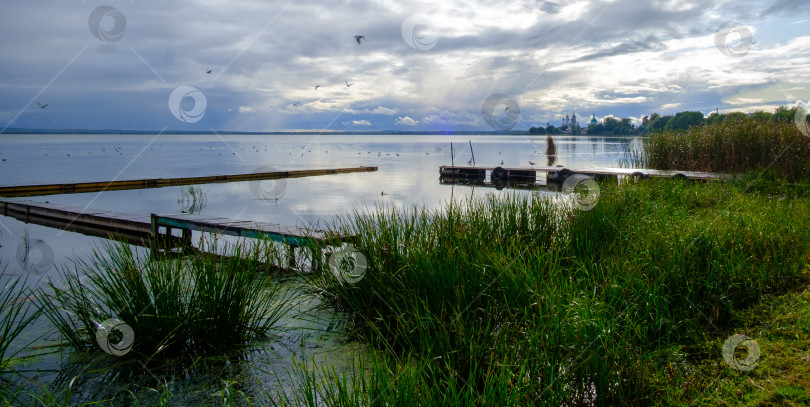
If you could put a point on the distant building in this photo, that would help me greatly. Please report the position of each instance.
(594, 121)
(570, 125)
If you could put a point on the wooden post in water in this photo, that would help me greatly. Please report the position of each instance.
(291, 256)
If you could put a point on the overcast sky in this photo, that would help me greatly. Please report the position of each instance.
(142, 64)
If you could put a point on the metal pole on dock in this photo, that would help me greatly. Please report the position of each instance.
(471, 152)
(452, 155)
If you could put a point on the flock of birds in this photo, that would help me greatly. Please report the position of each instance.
(358, 38)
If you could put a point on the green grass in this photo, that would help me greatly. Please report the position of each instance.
(518, 301)
(195, 305)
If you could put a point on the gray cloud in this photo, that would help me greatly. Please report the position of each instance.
(551, 56)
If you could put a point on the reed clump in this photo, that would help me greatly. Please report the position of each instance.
(202, 303)
(732, 146)
(17, 312)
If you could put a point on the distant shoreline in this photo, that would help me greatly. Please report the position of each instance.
(306, 132)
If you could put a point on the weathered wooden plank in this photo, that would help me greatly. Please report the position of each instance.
(144, 228)
(83, 187)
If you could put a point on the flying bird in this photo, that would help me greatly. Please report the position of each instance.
(505, 110)
(41, 106)
(317, 86)
(358, 38)
(296, 103)
(531, 163)
(347, 83)
(209, 71)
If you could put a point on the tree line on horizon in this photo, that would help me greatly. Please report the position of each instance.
(679, 121)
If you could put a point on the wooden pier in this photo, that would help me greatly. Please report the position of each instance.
(500, 177)
(134, 228)
(82, 187)
(155, 231)
(292, 236)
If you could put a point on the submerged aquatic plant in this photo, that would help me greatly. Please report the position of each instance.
(166, 307)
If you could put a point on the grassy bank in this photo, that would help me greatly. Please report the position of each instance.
(515, 301)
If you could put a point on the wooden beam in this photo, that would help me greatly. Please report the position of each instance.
(83, 187)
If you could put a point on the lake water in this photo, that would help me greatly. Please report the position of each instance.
(408, 175)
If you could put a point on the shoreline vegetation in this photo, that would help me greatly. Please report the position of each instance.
(524, 300)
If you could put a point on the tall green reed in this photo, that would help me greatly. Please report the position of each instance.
(16, 314)
(196, 304)
(733, 146)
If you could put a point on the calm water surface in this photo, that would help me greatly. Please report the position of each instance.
(407, 176)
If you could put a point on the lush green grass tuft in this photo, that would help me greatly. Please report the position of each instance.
(201, 303)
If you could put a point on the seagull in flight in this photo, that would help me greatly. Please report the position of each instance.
(296, 103)
(505, 110)
(41, 106)
(347, 83)
(317, 86)
(359, 37)
(209, 71)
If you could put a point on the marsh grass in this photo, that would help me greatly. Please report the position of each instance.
(17, 312)
(519, 301)
(198, 304)
(733, 146)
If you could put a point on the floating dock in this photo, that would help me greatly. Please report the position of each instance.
(155, 231)
(82, 187)
(528, 177)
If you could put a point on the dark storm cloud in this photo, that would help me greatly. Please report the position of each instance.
(648, 44)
